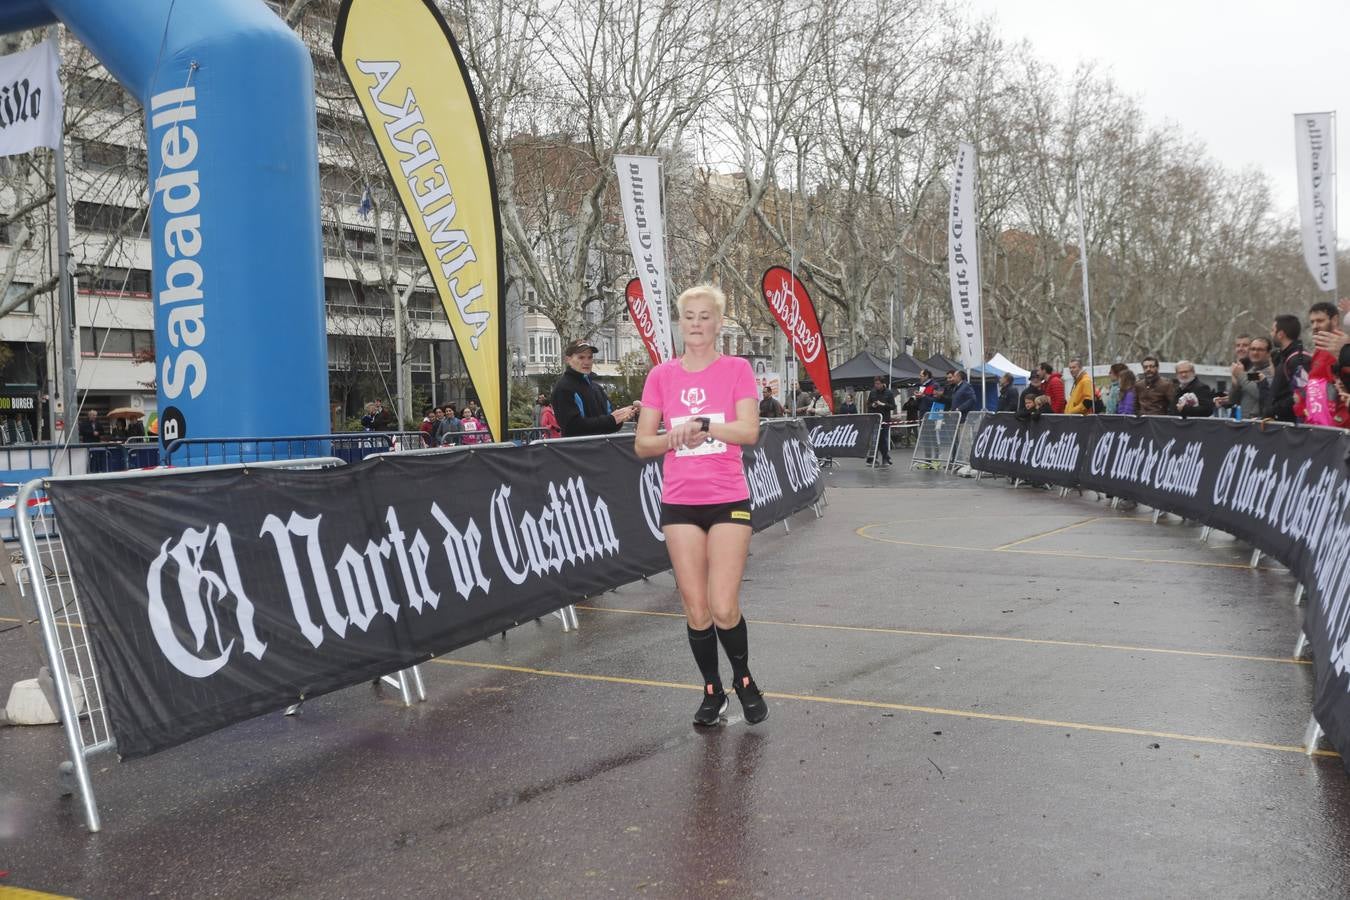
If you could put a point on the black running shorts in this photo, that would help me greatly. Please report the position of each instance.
(706, 515)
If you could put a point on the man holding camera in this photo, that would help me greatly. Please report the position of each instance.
(581, 405)
(1249, 390)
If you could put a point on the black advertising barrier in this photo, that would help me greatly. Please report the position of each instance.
(221, 595)
(840, 436)
(1284, 490)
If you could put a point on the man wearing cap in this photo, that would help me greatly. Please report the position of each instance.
(580, 404)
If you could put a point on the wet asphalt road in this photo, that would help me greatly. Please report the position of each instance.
(974, 690)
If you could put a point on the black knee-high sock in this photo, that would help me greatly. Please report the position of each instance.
(705, 654)
(737, 644)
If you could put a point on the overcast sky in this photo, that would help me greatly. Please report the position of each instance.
(1232, 74)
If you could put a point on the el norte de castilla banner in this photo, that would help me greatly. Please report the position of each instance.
(236, 592)
(414, 89)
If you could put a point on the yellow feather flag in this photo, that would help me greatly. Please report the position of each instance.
(414, 89)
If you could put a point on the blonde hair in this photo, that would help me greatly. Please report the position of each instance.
(711, 291)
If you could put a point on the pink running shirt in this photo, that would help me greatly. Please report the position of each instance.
(712, 472)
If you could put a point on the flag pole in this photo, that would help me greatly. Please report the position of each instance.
(66, 295)
(1083, 265)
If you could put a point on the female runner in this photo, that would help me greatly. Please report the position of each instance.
(711, 409)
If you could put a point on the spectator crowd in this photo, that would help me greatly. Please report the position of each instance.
(1280, 377)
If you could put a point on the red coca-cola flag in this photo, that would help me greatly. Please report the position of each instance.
(791, 306)
(642, 320)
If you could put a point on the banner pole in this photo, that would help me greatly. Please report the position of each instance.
(665, 249)
(1083, 265)
(66, 295)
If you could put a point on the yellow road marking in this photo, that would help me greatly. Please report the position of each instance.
(905, 707)
(1046, 534)
(861, 532)
(16, 893)
(912, 632)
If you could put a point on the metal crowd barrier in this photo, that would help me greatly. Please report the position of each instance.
(349, 447)
(44, 579)
(965, 440)
(527, 435)
(937, 439)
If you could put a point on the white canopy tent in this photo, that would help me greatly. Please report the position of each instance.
(1003, 364)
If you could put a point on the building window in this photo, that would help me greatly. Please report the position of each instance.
(15, 289)
(107, 218)
(98, 155)
(97, 93)
(118, 282)
(117, 343)
(341, 292)
(424, 305)
(534, 351)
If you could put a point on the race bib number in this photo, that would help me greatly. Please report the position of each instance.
(709, 447)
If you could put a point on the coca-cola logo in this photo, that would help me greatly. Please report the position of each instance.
(806, 339)
(642, 320)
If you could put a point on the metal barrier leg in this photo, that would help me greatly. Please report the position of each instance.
(572, 611)
(1312, 736)
(77, 765)
(1298, 594)
(816, 507)
(418, 684)
(1204, 535)
(562, 617)
(787, 526)
(1256, 559)
(403, 688)
(1157, 514)
(1302, 648)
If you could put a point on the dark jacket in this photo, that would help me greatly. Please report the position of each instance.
(881, 402)
(1291, 373)
(964, 399)
(911, 408)
(1008, 401)
(848, 408)
(1156, 399)
(582, 406)
(1204, 406)
(1030, 393)
(770, 408)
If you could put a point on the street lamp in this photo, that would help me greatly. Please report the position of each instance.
(517, 364)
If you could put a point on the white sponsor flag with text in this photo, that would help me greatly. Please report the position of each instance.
(640, 197)
(963, 259)
(30, 100)
(1315, 142)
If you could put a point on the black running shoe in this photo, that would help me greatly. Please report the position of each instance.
(752, 701)
(713, 705)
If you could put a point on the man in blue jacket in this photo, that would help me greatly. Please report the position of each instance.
(963, 397)
(580, 405)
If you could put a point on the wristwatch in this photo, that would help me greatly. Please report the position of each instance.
(703, 423)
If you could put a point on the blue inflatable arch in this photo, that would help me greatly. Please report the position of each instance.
(228, 94)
